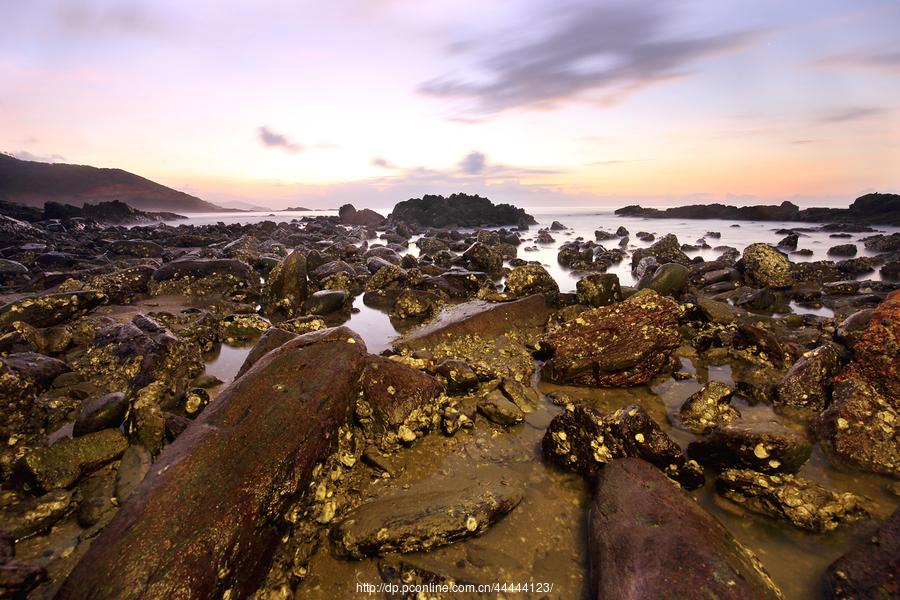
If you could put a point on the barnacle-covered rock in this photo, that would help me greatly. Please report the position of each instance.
(624, 344)
(708, 407)
(50, 309)
(767, 267)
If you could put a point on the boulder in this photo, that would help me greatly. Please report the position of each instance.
(286, 287)
(530, 279)
(62, 464)
(669, 279)
(709, 407)
(458, 210)
(800, 502)
(325, 302)
(421, 520)
(365, 217)
(665, 250)
(763, 447)
(767, 267)
(598, 289)
(203, 520)
(807, 384)
(842, 250)
(870, 569)
(136, 248)
(102, 412)
(624, 344)
(50, 309)
(481, 257)
(584, 440)
(648, 539)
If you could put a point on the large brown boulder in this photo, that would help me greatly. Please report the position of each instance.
(648, 539)
(870, 569)
(203, 521)
(623, 344)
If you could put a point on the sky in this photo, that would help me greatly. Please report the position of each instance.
(280, 103)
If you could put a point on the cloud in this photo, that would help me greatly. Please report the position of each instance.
(616, 162)
(272, 139)
(473, 163)
(883, 61)
(614, 50)
(25, 155)
(381, 163)
(93, 16)
(856, 113)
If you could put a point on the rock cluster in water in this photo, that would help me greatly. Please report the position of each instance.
(160, 481)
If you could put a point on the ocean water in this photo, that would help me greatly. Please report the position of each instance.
(583, 221)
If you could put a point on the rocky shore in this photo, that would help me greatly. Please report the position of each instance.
(871, 209)
(613, 440)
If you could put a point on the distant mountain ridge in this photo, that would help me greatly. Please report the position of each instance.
(35, 183)
(871, 209)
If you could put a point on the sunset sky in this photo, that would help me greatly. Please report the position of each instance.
(541, 102)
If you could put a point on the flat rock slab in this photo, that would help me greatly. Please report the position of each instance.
(418, 521)
(649, 539)
(202, 524)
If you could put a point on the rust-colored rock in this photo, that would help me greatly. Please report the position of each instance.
(202, 523)
(648, 539)
(623, 344)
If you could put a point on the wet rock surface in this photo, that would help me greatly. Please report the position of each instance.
(869, 570)
(415, 522)
(636, 509)
(623, 344)
(763, 447)
(801, 502)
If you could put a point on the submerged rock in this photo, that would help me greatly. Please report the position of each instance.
(619, 345)
(870, 570)
(648, 539)
(584, 440)
(803, 503)
(419, 521)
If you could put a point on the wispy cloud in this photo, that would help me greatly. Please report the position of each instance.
(122, 16)
(883, 61)
(614, 50)
(855, 113)
(273, 139)
(381, 163)
(473, 163)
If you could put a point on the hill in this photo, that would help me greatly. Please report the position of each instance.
(871, 209)
(35, 183)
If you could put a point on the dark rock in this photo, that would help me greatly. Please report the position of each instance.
(458, 210)
(859, 427)
(882, 242)
(530, 279)
(481, 257)
(29, 371)
(133, 468)
(665, 250)
(891, 271)
(791, 498)
(102, 412)
(763, 447)
(789, 242)
(807, 384)
(648, 539)
(598, 289)
(557, 226)
(416, 521)
(584, 440)
(767, 267)
(457, 375)
(220, 485)
(33, 516)
(136, 248)
(870, 569)
(623, 344)
(717, 312)
(50, 309)
(365, 217)
(621, 231)
(17, 578)
(709, 407)
(500, 411)
(287, 287)
(852, 329)
(62, 464)
(669, 279)
(325, 302)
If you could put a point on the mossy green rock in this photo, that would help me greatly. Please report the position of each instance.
(62, 464)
